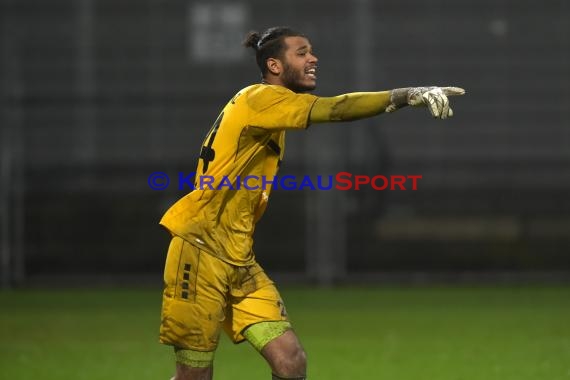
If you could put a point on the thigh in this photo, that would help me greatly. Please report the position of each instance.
(254, 299)
(194, 298)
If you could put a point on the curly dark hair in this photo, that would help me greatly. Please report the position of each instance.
(269, 44)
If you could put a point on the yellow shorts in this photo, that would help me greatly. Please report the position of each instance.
(204, 294)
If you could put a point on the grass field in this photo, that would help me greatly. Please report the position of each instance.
(349, 333)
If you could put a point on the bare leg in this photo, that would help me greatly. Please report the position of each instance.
(286, 356)
(184, 372)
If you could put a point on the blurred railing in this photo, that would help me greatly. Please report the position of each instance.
(97, 95)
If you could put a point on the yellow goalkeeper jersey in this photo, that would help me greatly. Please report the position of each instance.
(246, 142)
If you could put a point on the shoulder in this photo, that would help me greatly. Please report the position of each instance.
(260, 91)
(273, 94)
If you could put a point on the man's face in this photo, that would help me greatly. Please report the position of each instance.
(299, 65)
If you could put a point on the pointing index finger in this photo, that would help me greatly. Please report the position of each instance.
(453, 91)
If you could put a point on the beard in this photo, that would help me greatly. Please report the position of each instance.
(294, 80)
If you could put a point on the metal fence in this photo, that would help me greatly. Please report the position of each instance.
(96, 95)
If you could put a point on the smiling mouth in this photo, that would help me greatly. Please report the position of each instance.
(311, 73)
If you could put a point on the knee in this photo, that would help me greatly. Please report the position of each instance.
(285, 355)
(298, 357)
(292, 363)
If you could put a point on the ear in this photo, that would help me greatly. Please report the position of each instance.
(274, 66)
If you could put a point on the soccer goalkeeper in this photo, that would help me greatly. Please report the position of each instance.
(212, 280)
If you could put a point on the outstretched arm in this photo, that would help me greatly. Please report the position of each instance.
(352, 106)
(359, 105)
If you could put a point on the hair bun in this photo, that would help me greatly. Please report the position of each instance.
(252, 40)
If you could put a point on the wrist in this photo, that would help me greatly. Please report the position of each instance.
(399, 97)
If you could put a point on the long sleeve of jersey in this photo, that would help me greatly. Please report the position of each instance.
(351, 106)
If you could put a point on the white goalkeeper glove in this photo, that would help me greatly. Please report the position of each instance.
(435, 98)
